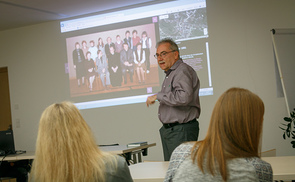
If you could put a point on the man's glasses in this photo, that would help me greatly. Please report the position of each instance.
(162, 54)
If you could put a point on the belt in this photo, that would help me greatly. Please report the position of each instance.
(170, 125)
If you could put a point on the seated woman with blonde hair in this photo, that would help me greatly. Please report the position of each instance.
(66, 150)
(230, 151)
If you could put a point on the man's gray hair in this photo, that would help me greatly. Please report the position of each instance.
(173, 45)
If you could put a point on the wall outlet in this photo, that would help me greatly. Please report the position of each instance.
(17, 123)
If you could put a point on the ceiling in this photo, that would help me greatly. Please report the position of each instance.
(16, 13)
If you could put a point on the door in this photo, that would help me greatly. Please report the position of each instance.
(5, 110)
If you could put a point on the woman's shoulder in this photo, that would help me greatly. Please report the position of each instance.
(178, 156)
(114, 159)
(184, 148)
(121, 161)
(182, 152)
(260, 165)
(251, 167)
(117, 170)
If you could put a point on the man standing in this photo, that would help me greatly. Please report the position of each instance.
(127, 60)
(146, 46)
(179, 98)
(108, 45)
(128, 39)
(78, 61)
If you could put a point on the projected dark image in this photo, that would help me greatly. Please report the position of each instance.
(113, 61)
(184, 25)
(190, 31)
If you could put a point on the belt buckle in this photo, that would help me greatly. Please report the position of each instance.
(167, 125)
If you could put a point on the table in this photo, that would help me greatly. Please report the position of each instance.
(128, 152)
(149, 171)
(283, 169)
(16, 157)
(120, 149)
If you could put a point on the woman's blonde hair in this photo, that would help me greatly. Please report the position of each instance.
(234, 131)
(66, 149)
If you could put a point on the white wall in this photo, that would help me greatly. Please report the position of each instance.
(241, 55)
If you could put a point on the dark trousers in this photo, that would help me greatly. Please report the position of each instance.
(130, 70)
(147, 58)
(172, 137)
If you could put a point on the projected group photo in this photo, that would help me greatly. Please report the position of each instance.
(113, 61)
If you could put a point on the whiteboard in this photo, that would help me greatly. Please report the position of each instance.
(284, 52)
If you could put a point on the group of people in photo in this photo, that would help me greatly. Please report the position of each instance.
(113, 61)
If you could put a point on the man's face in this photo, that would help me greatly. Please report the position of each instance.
(88, 56)
(125, 46)
(167, 61)
(112, 50)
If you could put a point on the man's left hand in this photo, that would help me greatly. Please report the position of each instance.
(151, 100)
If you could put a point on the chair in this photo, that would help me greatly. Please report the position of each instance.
(268, 153)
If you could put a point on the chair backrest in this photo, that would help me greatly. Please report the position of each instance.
(269, 153)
